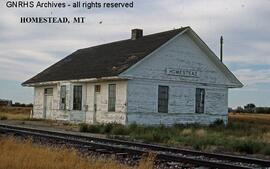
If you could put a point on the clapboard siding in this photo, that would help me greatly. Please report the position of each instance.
(182, 62)
(87, 112)
(180, 53)
(143, 103)
(183, 53)
(170, 119)
(102, 114)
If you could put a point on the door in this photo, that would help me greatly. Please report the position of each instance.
(48, 99)
(97, 101)
(163, 97)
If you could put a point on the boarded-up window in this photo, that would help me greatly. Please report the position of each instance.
(163, 97)
(63, 97)
(200, 96)
(77, 98)
(111, 97)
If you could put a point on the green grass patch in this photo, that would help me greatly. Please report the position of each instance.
(237, 137)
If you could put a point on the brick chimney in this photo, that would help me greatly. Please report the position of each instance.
(136, 33)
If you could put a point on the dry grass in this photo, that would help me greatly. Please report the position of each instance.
(201, 133)
(19, 115)
(16, 110)
(266, 137)
(14, 116)
(15, 113)
(147, 162)
(248, 117)
(16, 154)
(186, 132)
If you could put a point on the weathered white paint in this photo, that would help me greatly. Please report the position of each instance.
(102, 114)
(143, 103)
(173, 118)
(87, 112)
(182, 53)
(137, 98)
(38, 102)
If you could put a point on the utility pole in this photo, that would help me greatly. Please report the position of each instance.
(221, 48)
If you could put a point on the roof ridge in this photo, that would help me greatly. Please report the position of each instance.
(144, 36)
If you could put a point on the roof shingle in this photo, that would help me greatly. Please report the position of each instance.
(104, 60)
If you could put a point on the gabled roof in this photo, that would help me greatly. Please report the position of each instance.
(104, 60)
(234, 82)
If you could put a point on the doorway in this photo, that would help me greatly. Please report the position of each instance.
(48, 99)
(97, 100)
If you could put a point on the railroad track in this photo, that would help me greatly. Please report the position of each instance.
(113, 146)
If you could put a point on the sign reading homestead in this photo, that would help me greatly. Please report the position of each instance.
(182, 72)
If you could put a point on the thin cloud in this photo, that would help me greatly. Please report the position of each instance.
(251, 77)
(26, 49)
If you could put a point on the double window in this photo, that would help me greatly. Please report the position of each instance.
(77, 97)
(200, 97)
(111, 97)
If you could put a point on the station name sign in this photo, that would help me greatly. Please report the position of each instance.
(182, 72)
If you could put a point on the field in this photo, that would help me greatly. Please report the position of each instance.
(17, 154)
(244, 134)
(258, 119)
(15, 113)
(21, 115)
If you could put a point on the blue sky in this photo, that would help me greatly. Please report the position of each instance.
(27, 49)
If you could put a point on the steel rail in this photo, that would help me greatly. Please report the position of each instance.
(159, 150)
(133, 151)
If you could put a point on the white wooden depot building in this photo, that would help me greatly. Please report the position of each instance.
(163, 78)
